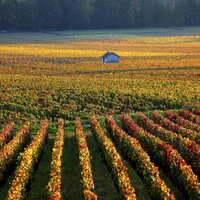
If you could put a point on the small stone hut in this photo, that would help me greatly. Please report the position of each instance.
(110, 57)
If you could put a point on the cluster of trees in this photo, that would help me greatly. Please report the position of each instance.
(41, 15)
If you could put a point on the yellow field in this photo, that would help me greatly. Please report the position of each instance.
(67, 78)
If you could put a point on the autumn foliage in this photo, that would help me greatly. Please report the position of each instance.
(138, 156)
(114, 161)
(55, 183)
(181, 172)
(24, 171)
(85, 163)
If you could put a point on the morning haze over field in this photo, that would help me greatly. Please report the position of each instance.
(99, 99)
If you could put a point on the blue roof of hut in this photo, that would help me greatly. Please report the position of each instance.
(109, 54)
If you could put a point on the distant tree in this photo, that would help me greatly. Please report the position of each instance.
(185, 13)
(27, 15)
(76, 13)
(153, 14)
(49, 14)
(168, 16)
(138, 12)
(81, 14)
(106, 14)
(84, 13)
(8, 14)
(68, 10)
(197, 15)
(127, 14)
(100, 6)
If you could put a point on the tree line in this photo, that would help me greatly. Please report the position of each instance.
(43, 15)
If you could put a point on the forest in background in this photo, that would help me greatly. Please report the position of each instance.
(44, 15)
